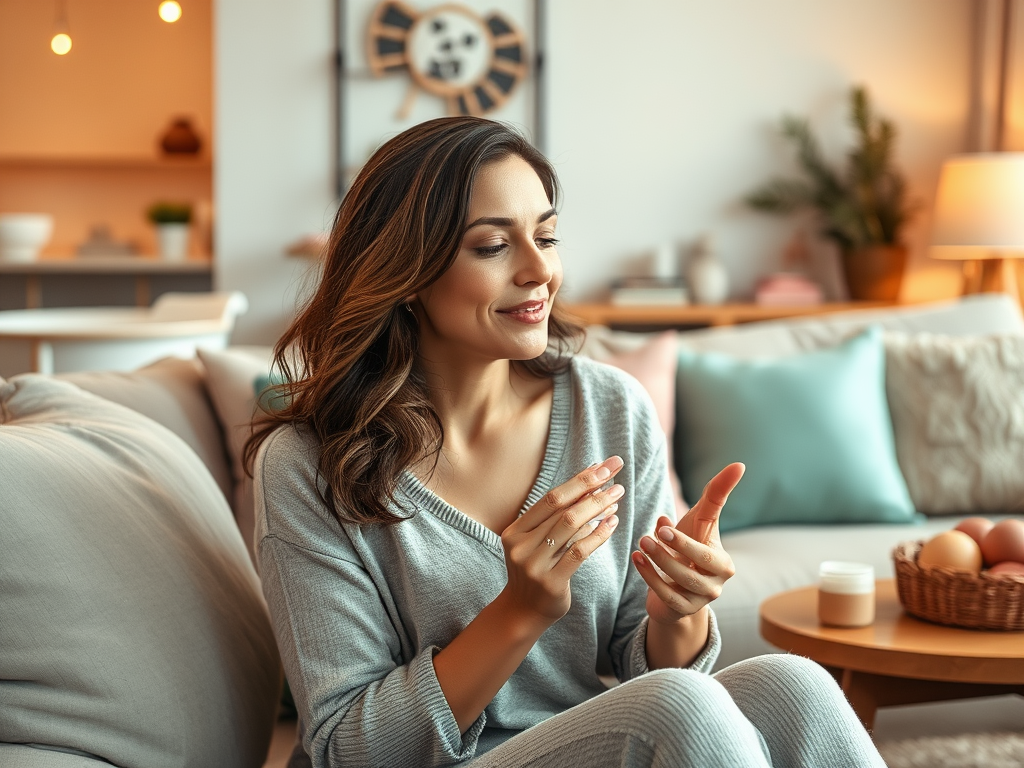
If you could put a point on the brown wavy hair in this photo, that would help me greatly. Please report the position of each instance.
(349, 359)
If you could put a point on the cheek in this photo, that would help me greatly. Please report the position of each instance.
(469, 287)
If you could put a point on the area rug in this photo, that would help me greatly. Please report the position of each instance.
(972, 750)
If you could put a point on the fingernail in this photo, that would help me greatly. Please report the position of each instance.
(639, 559)
(603, 473)
(611, 521)
(647, 545)
(615, 491)
(612, 510)
(666, 533)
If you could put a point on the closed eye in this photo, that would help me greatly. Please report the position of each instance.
(547, 242)
(491, 250)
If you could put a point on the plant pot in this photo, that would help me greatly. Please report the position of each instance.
(874, 273)
(172, 241)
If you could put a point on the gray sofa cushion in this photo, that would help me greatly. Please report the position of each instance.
(172, 393)
(133, 628)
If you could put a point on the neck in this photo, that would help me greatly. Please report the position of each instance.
(474, 399)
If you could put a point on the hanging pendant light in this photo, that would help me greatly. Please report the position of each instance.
(60, 43)
(170, 11)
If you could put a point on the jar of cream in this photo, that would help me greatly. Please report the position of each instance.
(846, 594)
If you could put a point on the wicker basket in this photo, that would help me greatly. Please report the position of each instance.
(946, 596)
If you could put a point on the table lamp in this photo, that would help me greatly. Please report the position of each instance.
(979, 219)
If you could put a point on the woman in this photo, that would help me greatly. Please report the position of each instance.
(449, 507)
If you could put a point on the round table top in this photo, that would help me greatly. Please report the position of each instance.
(896, 644)
(99, 323)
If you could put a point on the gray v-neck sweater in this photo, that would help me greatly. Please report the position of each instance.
(360, 610)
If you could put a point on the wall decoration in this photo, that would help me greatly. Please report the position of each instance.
(401, 62)
(471, 61)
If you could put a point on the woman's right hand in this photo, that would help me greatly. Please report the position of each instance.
(538, 562)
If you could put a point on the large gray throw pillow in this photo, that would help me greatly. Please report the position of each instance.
(132, 627)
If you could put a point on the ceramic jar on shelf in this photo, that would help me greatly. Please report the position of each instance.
(707, 276)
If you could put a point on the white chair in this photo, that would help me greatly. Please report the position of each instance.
(122, 338)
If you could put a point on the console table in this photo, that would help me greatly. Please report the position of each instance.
(141, 267)
(705, 314)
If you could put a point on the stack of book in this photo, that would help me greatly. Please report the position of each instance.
(649, 291)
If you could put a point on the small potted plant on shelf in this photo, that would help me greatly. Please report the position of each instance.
(172, 222)
(862, 207)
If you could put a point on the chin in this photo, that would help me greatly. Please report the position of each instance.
(531, 351)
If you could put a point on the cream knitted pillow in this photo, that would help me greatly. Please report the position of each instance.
(957, 405)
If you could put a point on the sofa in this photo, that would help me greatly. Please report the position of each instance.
(198, 410)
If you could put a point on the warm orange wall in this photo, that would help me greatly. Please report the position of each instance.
(127, 74)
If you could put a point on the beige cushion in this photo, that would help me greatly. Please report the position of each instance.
(957, 408)
(172, 393)
(231, 377)
(132, 627)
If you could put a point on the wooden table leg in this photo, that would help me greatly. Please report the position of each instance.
(142, 292)
(861, 695)
(33, 292)
(867, 692)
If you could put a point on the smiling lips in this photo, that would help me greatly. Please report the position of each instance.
(530, 312)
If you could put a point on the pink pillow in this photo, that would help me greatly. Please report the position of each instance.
(654, 366)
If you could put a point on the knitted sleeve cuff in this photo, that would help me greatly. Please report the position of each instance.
(703, 663)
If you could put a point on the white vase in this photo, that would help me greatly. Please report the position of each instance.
(172, 241)
(709, 281)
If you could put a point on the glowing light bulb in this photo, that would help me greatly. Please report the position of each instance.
(170, 11)
(61, 43)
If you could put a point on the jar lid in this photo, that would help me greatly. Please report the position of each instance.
(846, 578)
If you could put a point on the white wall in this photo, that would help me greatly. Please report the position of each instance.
(664, 116)
(661, 116)
(273, 173)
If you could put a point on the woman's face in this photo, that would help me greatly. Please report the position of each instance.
(494, 301)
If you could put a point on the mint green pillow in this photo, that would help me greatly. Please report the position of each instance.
(813, 429)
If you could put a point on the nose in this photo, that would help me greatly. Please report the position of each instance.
(536, 265)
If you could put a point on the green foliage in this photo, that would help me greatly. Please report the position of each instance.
(862, 205)
(169, 213)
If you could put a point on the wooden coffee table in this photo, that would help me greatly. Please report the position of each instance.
(898, 659)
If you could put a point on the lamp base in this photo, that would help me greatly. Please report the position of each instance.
(991, 276)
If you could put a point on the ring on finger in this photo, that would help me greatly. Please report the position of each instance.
(549, 541)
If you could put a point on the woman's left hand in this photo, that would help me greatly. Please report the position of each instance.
(689, 554)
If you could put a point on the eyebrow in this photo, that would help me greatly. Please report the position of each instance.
(498, 221)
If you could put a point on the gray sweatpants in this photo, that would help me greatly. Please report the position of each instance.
(773, 710)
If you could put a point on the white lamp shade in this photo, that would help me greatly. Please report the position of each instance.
(979, 207)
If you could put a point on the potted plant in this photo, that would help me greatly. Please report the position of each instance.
(862, 207)
(172, 226)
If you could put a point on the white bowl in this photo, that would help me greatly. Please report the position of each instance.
(23, 235)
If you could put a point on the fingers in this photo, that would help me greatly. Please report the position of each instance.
(570, 492)
(674, 552)
(708, 509)
(682, 588)
(580, 550)
(579, 519)
(684, 600)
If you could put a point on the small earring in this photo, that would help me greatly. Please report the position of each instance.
(408, 307)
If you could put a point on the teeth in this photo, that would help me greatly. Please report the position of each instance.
(527, 309)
